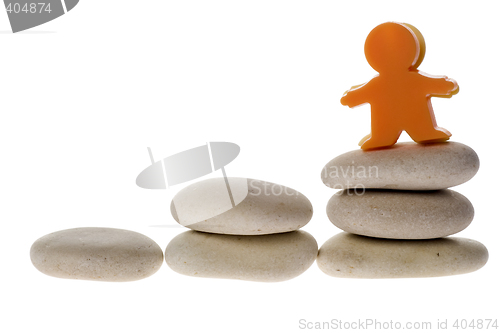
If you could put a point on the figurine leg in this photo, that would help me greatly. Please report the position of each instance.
(429, 134)
(423, 127)
(366, 137)
(379, 139)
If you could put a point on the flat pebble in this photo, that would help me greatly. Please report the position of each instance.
(400, 214)
(260, 207)
(264, 258)
(404, 166)
(352, 256)
(99, 254)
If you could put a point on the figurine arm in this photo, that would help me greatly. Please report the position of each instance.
(440, 86)
(355, 96)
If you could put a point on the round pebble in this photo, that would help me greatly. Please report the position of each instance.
(404, 166)
(264, 258)
(260, 207)
(99, 254)
(400, 214)
(352, 256)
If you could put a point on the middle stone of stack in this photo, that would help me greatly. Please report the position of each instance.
(401, 192)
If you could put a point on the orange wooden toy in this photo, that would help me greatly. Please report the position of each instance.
(400, 96)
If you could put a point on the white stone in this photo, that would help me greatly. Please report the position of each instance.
(264, 258)
(99, 254)
(352, 256)
(404, 166)
(400, 214)
(260, 207)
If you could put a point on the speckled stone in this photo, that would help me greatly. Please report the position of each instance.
(400, 214)
(404, 166)
(264, 258)
(352, 256)
(99, 254)
(261, 207)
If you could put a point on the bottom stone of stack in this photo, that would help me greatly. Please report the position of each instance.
(263, 258)
(353, 256)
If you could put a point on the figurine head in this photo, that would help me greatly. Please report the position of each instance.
(394, 46)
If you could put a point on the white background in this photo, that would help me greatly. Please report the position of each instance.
(82, 97)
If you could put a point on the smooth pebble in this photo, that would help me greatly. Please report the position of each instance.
(260, 207)
(400, 214)
(263, 258)
(352, 256)
(404, 166)
(99, 254)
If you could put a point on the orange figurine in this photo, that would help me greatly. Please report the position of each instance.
(400, 96)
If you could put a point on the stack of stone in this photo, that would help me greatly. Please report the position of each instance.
(241, 229)
(396, 210)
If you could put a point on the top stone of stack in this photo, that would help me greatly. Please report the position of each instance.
(404, 166)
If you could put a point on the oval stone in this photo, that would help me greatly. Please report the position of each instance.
(400, 214)
(259, 207)
(404, 166)
(99, 254)
(352, 256)
(263, 258)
